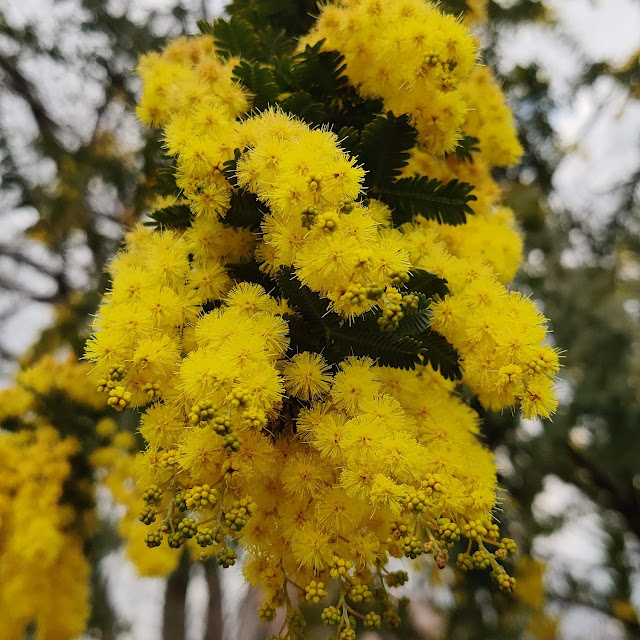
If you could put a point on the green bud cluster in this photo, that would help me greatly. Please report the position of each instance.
(200, 497)
(227, 557)
(238, 516)
(372, 621)
(267, 612)
(153, 539)
(314, 591)
(474, 529)
(202, 413)
(396, 579)
(148, 515)
(339, 567)
(328, 221)
(231, 442)
(205, 537)
(238, 398)
(360, 593)
(391, 618)
(506, 583)
(410, 302)
(449, 532)
(411, 546)
(152, 390)
(399, 278)
(309, 215)
(331, 615)
(152, 495)
(187, 528)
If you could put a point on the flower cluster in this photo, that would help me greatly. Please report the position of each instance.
(316, 469)
(408, 53)
(56, 446)
(39, 550)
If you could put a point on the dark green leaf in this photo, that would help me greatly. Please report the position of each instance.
(236, 37)
(177, 216)
(467, 146)
(387, 349)
(165, 181)
(205, 27)
(250, 272)
(384, 148)
(446, 202)
(231, 166)
(244, 210)
(303, 106)
(427, 283)
(312, 308)
(414, 323)
(259, 81)
(440, 354)
(321, 73)
(337, 339)
(349, 139)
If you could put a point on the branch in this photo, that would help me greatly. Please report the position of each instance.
(22, 86)
(21, 258)
(7, 285)
(626, 505)
(631, 625)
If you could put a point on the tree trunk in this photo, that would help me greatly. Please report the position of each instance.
(175, 601)
(214, 623)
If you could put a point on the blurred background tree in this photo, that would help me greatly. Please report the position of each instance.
(75, 170)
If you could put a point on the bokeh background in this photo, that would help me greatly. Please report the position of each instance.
(72, 168)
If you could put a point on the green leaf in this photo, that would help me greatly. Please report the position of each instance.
(165, 181)
(312, 308)
(447, 202)
(230, 167)
(244, 210)
(259, 80)
(421, 281)
(386, 348)
(349, 139)
(337, 339)
(467, 146)
(250, 272)
(236, 37)
(205, 27)
(440, 354)
(321, 73)
(302, 105)
(384, 148)
(177, 216)
(414, 324)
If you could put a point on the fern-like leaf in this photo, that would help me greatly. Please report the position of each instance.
(447, 202)
(387, 349)
(319, 72)
(414, 324)
(259, 80)
(440, 354)
(467, 146)
(177, 216)
(244, 210)
(349, 139)
(384, 148)
(302, 105)
(310, 305)
(421, 281)
(236, 37)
